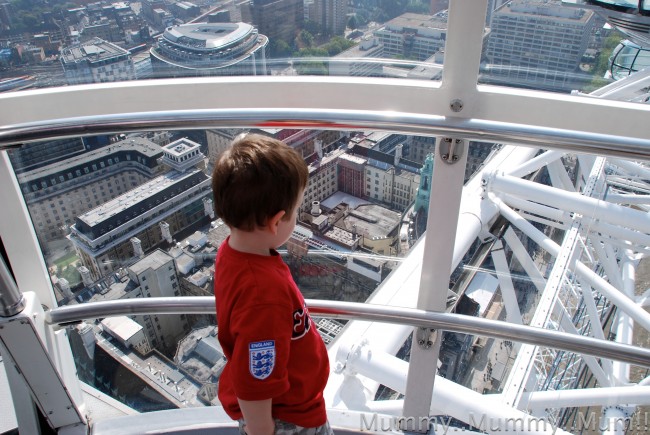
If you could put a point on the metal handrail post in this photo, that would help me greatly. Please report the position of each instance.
(12, 301)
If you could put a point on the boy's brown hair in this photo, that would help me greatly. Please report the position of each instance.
(254, 179)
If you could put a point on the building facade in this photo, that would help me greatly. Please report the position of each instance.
(537, 43)
(413, 36)
(277, 19)
(111, 235)
(96, 61)
(209, 49)
(331, 15)
(56, 193)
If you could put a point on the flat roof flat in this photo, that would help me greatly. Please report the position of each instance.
(134, 196)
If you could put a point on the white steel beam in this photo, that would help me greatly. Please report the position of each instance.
(513, 314)
(534, 164)
(571, 201)
(559, 178)
(452, 399)
(597, 282)
(520, 252)
(606, 396)
(609, 263)
(567, 324)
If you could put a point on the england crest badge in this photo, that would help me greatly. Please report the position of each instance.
(261, 358)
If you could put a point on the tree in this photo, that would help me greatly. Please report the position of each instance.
(304, 40)
(353, 22)
(280, 49)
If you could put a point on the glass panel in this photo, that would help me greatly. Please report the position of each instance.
(58, 45)
(131, 216)
(550, 46)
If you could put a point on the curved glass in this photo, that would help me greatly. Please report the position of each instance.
(627, 59)
(59, 45)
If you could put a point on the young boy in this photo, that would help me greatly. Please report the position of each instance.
(277, 364)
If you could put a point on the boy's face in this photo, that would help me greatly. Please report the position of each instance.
(288, 222)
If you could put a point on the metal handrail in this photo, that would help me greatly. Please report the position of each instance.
(361, 311)
(326, 119)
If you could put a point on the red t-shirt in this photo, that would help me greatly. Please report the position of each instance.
(272, 348)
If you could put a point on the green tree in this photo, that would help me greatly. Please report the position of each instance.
(353, 23)
(311, 61)
(280, 49)
(304, 40)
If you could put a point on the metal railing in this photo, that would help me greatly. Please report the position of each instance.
(360, 311)
(325, 119)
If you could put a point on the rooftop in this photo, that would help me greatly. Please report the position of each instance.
(208, 35)
(92, 51)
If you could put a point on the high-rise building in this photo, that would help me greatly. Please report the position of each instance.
(413, 36)
(96, 61)
(277, 19)
(65, 188)
(155, 276)
(109, 236)
(209, 49)
(538, 44)
(331, 15)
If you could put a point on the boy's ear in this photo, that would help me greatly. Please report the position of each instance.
(273, 221)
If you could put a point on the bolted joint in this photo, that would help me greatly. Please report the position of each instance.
(456, 105)
(425, 337)
(451, 149)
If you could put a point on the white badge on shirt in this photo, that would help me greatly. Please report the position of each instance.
(261, 358)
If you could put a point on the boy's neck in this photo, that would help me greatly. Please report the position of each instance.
(250, 242)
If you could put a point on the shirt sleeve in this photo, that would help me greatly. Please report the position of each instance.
(262, 336)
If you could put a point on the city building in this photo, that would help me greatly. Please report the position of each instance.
(200, 355)
(155, 276)
(424, 190)
(277, 19)
(407, 38)
(361, 60)
(413, 36)
(139, 220)
(350, 174)
(392, 183)
(218, 141)
(331, 15)
(96, 61)
(58, 192)
(127, 332)
(209, 49)
(323, 179)
(538, 44)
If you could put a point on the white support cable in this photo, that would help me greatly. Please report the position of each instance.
(513, 314)
(524, 258)
(559, 178)
(534, 164)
